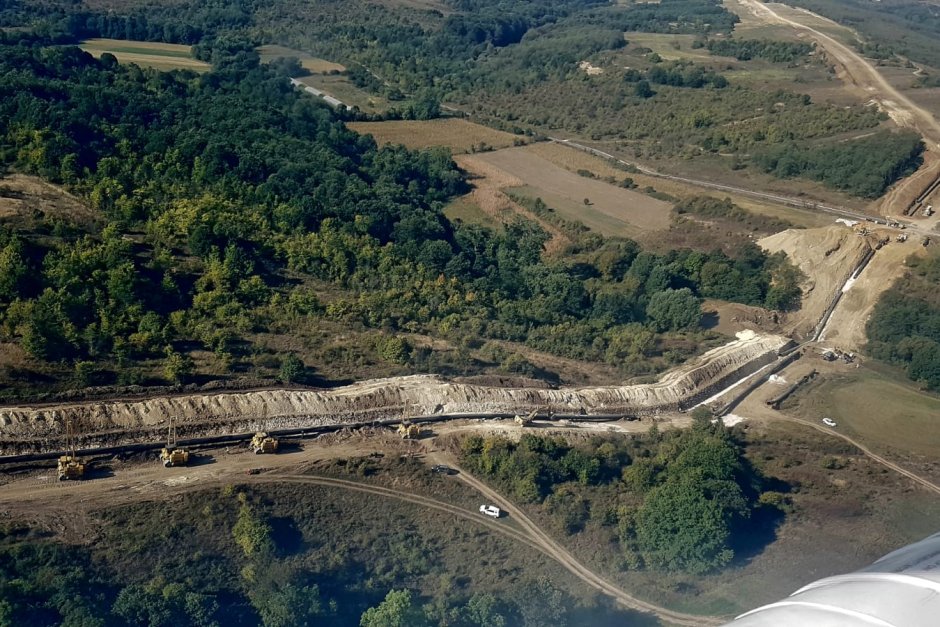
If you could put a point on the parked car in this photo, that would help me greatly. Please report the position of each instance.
(490, 510)
(829, 422)
(444, 470)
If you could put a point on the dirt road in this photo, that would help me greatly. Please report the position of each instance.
(861, 74)
(40, 497)
(566, 559)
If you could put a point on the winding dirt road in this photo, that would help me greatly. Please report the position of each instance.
(566, 559)
(861, 74)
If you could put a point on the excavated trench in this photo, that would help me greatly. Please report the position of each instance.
(128, 421)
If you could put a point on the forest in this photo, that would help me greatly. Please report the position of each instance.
(216, 223)
(904, 328)
(747, 49)
(865, 167)
(675, 501)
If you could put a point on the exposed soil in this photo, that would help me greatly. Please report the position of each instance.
(143, 420)
(827, 256)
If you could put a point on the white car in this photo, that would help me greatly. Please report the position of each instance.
(490, 510)
(829, 422)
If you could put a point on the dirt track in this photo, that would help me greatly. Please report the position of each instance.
(860, 74)
(69, 505)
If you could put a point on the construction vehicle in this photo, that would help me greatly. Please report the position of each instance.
(409, 431)
(70, 467)
(526, 421)
(262, 443)
(172, 455)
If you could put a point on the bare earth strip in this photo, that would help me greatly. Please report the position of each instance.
(613, 208)
(144, 420)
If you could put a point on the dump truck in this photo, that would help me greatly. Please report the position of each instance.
(409, 431)
(70, 467)
(262, 443)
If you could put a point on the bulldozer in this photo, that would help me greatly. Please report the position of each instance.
(70, 466)
(171, 454)
(262, 443)
(409, 431)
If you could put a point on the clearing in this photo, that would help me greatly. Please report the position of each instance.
(573, 160)
(456, 134)
(314, 65)
(159, 56)
(606, 208)
(671, 47)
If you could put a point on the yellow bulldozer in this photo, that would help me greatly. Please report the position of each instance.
(263, 444)
(171, 454)
(70, 467)
(409, 431)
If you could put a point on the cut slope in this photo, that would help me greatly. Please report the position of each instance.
(381, 398)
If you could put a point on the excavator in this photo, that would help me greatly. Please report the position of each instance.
(262, 443)
(172, 455)
(70, 467)
(526, 421)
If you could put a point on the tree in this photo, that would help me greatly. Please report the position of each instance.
(178, 367)
(642, 89)
(292, 369)
(397, 610)
(674, 310)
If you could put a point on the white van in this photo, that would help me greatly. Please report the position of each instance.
(490, 510)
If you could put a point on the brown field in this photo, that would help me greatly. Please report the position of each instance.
(573, 160)
(159, 56)
(314, 65)
(488, 196)
(458, 135)
(611, 210)
(672, 47)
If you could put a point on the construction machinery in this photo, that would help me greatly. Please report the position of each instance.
(172, 455)
(262, 443)
(526, 421)
(409, 431)
(70, 467)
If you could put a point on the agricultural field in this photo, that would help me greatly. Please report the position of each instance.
(606, 208)
(312, 64)
(343, 90)
(671, 47)
(459, 135)
(573, 160)
(159, 56)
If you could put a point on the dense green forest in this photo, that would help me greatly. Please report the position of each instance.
(239, 557)
(216, 223)
(866, 166)
(904, 328)
(675, 500)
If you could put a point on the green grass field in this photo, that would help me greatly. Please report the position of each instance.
(159, 56)
(879, 409)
